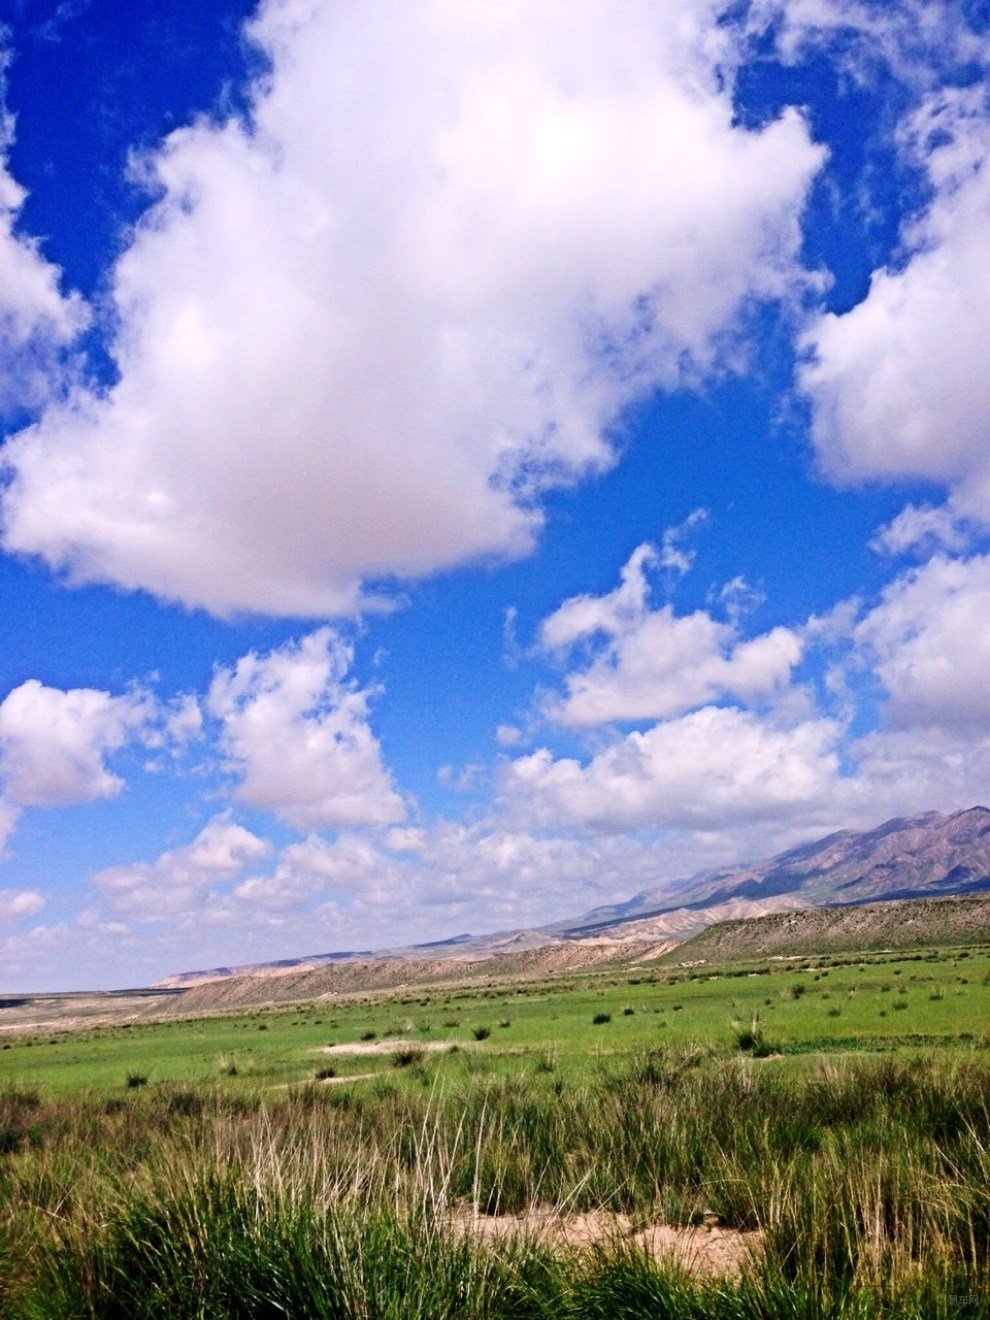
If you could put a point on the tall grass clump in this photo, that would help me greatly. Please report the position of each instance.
(18, 1110)
(867, 1182)
(752, 1040)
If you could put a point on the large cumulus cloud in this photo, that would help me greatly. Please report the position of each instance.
(359, 338)
(898, 385)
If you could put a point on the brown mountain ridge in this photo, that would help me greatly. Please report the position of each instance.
(918, 856)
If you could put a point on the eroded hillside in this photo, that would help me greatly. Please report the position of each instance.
(898, 924)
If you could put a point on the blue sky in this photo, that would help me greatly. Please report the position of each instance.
(464, 463)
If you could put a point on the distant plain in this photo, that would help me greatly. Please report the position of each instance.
(878, 1002)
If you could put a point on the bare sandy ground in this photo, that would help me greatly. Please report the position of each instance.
(386, 1046)
(708, 1249)
(335, 1081)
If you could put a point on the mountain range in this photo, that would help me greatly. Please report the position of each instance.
(924, 855)
(919, 856)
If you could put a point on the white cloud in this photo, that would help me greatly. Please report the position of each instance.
(297, 731)
(182, 882)
(651, 663)
(917, 660)
(36, 320)
(351, 866)
(670, 663)
(921, 528)
(462, 779)
(916, 39)
(899, 385)
(919, 769)
(928, 640)
(361, 339)
(450, 877)
(15, 904)
(9, 816)
(184, 719)
(27, 958)
(702, 771)
(616, 612)
(738, 597)
(674, 554)
(54, 744)
(508, 735)
(406, 838)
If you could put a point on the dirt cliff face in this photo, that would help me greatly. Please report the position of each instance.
(911, 923)
(370, 974)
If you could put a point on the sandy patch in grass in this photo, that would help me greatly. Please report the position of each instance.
(706, 1250)
(339, 1081)
(386, 1046)
(325, 1081)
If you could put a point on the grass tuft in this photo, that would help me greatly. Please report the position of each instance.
(407, 1056)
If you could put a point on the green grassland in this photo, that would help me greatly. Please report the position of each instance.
(879, 1002)
(833, 1111)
